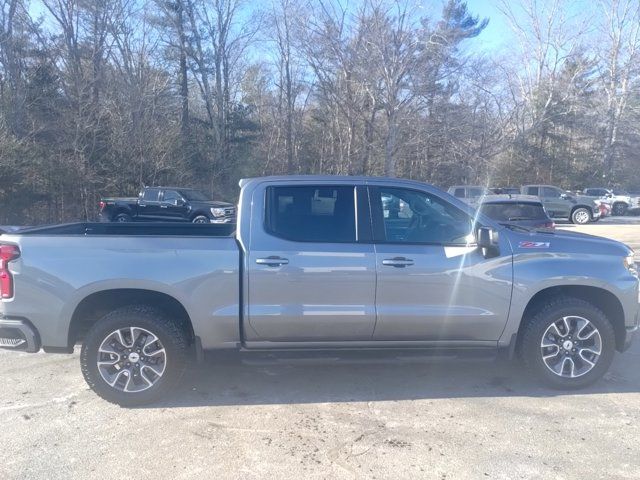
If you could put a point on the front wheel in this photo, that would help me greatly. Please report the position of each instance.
(581, 216)
(134, 355)
(568, 344)
(201, 219)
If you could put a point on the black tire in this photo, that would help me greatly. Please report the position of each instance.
(532, 335)
(619, 209)
(122, 218)
(200, 219)
(579, 218)
(171, 335)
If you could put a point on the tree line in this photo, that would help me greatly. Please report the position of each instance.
(99, 97)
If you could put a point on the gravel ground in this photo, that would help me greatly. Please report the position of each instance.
(442, 420)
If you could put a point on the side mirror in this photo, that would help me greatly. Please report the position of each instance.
(487, 241)
(177, 202)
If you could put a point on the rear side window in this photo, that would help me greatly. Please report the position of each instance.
(458, 192)
(511, 211)
(535, 191)
(171, 195)
(312, 213)
(151, 195)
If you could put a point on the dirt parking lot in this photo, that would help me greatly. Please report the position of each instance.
(441, 420)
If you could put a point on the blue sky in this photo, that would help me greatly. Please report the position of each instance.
(498, 31)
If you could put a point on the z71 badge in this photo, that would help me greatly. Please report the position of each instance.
(534, 244)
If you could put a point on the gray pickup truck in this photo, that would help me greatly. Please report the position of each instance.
(316, 264)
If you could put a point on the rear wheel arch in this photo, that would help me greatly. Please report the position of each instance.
(598, 297)
(95, 306)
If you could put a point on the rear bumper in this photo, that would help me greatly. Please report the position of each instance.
(19, 335)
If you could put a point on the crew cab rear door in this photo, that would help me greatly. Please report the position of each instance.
(431, 284)
(149, 204)
(310, 266)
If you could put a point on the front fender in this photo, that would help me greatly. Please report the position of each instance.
(535, 272)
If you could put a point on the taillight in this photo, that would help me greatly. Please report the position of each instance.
(7, 253)
(102, 205)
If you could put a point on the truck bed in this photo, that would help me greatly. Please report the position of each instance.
(61, 266)
(134, 229)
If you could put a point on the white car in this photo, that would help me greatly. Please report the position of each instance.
(620, 200)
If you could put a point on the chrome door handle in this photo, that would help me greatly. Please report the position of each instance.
(164, 206)
(272, 261)
(399, 262)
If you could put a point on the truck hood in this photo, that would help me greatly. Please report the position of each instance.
(562, 241)
(212, 204)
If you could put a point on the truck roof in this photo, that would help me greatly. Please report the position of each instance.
(171, 188)
(513, 197)
(330, 178)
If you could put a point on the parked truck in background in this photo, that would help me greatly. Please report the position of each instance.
(316, 264)
(471, 194)
(167, 204)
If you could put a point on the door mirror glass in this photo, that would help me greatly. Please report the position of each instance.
(487, 240)
(486, 237)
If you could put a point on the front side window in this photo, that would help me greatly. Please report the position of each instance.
(170, 196)
(312, 213)
(410, 216)
(151, 195)
(550, 192)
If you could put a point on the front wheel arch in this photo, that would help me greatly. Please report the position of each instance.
(195, 215)
(598, 297)
(578, 207)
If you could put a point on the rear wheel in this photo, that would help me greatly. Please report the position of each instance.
(581, 216)
(568, 344)
(134, 355)
(619, 209)
(123, 217)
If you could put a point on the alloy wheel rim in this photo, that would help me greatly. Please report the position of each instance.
(131, 359)
(582, 217)
(571, 347)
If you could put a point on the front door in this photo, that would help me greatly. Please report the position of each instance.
(432, 285)
(311, 276)
(173, 206)
(554, 203)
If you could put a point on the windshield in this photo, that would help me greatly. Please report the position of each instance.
(194, 195)
(512, 211)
